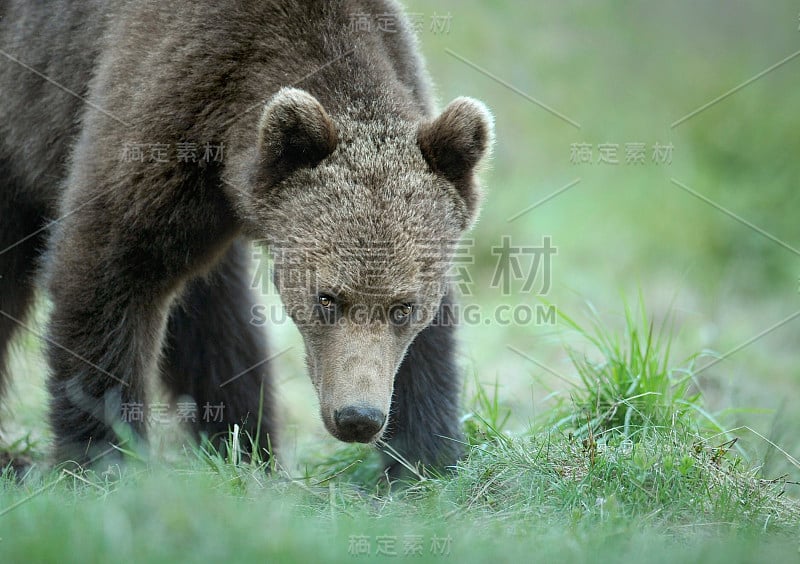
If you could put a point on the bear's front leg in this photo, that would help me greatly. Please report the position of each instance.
(424, 421)
(114, 265)
(109, 312)
(215, 355)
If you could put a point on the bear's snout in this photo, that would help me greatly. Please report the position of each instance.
(358, 423)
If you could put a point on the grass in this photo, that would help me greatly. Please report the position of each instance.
(640, 478)
(629, 384)
(542, 495)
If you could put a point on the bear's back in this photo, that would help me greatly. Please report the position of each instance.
(193, 55)
(48, 53)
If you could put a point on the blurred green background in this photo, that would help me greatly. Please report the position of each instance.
(624, 71)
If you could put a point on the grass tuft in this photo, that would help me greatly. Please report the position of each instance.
(628, 382)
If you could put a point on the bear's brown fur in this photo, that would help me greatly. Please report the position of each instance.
(331, 155)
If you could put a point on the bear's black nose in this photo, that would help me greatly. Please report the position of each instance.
(357, 423)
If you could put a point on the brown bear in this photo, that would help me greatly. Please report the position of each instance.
(145, 145)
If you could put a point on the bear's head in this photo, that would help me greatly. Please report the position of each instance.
(362, 217)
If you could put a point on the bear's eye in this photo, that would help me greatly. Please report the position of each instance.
(325, 301)
(401, 313)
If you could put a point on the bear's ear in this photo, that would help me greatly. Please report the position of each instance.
(454, 143)
(294, 132)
